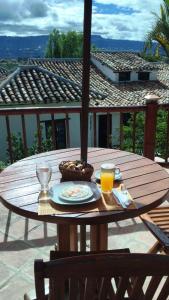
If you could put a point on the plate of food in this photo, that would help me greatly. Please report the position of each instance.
(118, 175)
(77, 192)
(74, 193)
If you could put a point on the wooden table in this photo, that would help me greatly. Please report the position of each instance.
(147, 182)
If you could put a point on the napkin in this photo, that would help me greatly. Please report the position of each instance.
(123, 198)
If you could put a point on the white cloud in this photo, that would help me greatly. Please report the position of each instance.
(120, 25)
(148, 5)
(131, 19)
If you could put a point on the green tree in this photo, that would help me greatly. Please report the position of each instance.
(151, 52)
(161, 134)
(160, 30)
(139, 133)
(64, 44)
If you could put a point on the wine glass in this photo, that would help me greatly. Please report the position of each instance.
(43, 173)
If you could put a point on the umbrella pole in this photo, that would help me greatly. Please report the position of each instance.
(85, 77)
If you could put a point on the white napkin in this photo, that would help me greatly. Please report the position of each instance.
(122, 197)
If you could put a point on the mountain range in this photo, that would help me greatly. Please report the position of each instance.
(34, 46)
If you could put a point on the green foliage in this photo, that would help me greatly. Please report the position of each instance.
(3, 165)
(64, 44)
(161, 134)
(139, 134)
(149, 53)
(160, 29)
(9, 64)
(18, 146)
(46, 144)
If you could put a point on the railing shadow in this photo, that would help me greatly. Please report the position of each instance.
(45, 240)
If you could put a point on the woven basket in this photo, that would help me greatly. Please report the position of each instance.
(76, 174)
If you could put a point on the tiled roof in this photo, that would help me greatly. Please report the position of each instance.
(118, 94)
(33, 85)
(3, 73)
(124, 61)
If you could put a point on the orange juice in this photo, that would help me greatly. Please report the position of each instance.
(107, 180)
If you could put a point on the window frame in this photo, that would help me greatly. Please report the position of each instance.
(128, 77)
(144, 73)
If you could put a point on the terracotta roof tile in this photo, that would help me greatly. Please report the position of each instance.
(124, 61)
(34, 85)
(118, 94)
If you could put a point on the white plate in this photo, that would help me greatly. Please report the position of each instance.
(73, 192)
(57, 190)
(118, 176)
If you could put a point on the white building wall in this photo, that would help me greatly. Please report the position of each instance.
(108, 72)
(115, 129)
(153, 75)
(105, 70)
(74, 127)
(133, 76)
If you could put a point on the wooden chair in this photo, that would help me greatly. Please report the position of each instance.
(105, 276)
(157, 221)
(63, 254)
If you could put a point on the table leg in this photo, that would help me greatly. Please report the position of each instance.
(63, 233)
(73, 238)
(67, 237)
(99, 237)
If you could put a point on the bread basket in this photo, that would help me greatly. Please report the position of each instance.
(75, 170)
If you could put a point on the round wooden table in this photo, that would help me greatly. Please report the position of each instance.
(147, 182)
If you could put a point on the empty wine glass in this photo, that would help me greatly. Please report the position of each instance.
(44, 173)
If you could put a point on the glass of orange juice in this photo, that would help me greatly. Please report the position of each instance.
(107, 177)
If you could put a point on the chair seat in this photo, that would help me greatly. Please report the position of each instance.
(157, 221)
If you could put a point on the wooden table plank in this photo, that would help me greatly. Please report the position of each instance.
(147, 182)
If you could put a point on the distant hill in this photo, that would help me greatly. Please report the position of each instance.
(34, 46)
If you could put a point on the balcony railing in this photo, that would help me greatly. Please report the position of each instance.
(148, 146)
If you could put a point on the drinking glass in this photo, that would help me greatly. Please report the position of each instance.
(107, 177)
(44, 173)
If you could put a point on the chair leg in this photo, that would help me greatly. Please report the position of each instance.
(156, 248)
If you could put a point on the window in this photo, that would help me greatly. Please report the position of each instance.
(60, 132)
(143, 76)
(124, 76)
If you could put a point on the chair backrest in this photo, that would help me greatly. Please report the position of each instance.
(104, 276)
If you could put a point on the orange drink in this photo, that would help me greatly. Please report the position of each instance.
(107, 177)
(107, 180)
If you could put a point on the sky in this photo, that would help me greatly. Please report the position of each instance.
(115, 19)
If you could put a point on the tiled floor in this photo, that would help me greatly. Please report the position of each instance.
(22, 240)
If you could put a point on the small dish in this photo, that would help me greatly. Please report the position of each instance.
(118, 176)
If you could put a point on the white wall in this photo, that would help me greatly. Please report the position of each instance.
(153, 75)
(133, 76)
(115, 129)
(108, 72)
(74, 126)
(105, 70)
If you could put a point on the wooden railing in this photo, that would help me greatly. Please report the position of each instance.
(150, 110)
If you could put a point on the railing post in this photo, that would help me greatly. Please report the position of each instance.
(150, 125)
